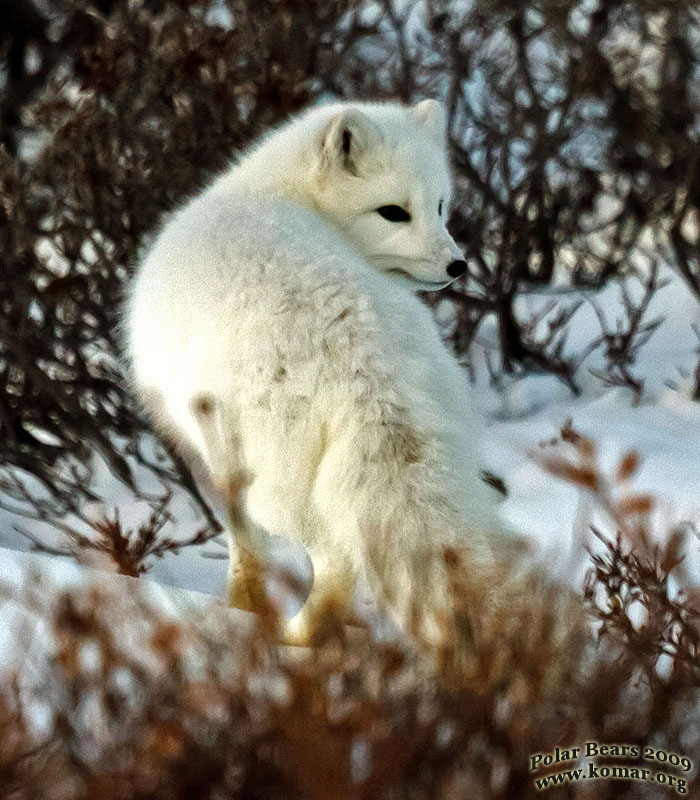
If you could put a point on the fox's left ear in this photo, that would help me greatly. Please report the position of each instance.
(431, 113)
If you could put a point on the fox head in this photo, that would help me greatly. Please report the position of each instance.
(381, 178)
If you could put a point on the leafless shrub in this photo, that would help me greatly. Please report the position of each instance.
(622, 342)
(140, 108)
(114, 547)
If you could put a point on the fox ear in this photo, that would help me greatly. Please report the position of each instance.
(347, 136)
(431, 113)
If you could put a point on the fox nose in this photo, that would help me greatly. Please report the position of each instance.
(457, 268)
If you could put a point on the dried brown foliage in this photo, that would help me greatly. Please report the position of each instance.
(134, 701)
(575, 459)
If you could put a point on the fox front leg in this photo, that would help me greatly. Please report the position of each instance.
(329, 605)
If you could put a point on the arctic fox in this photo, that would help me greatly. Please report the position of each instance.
(273, 329)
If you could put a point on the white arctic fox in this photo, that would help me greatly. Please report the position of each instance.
(273, 328)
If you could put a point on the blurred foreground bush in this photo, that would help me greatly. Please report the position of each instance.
(135, 703)
(117, 697)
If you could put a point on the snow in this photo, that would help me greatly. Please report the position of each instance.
(663, 426)
(29, 641)
(558, 515)
(25, 639)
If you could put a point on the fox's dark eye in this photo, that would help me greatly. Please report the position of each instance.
(440, 209)
(394, 213)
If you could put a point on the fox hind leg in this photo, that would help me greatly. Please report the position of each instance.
(223, 454)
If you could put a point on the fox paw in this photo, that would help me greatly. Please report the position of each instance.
(246, 587)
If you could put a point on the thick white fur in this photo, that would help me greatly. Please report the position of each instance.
(272, 295)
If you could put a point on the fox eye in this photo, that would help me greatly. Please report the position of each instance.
(440, 209)
(394, 213)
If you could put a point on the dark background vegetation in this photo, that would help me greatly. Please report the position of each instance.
(574, 132)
